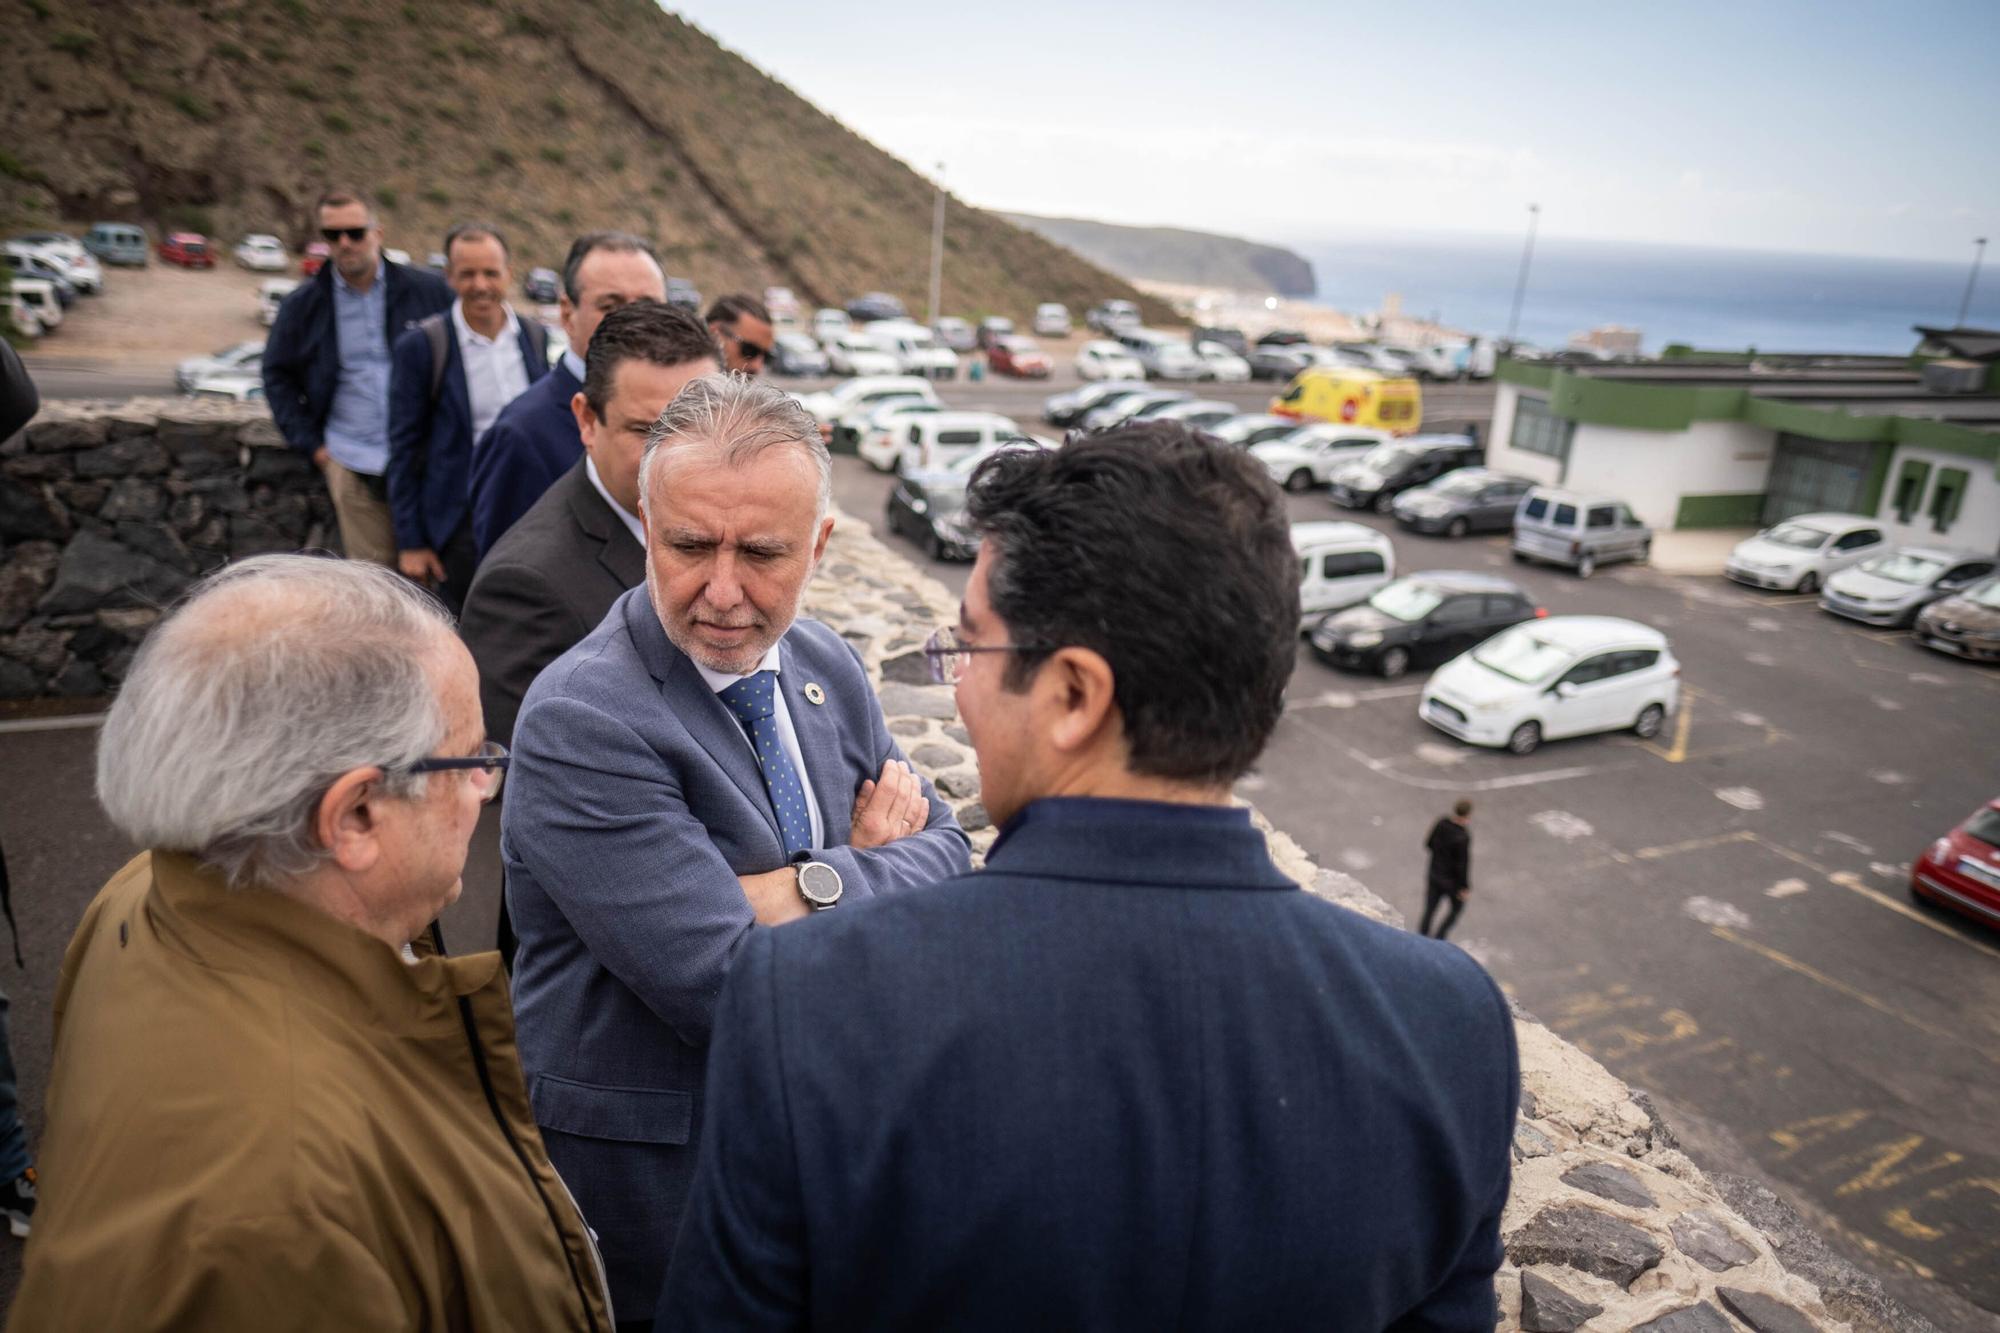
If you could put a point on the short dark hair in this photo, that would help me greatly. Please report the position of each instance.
(727, 308)
(472, 231)
(1462, 809)
(588, 244)
(341, 196)
(664, 335)
(1171, 557)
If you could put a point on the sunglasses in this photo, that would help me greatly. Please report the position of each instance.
(333, 234)
(750, 350)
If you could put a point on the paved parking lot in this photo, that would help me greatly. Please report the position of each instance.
(1719, 914)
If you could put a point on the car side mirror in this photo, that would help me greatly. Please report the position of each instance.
(1565, 690)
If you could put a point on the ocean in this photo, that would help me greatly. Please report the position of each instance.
(1710, 298)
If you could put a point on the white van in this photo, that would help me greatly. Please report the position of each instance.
(1339, 564)
(942, 438)
(916, 349)
(39, 295)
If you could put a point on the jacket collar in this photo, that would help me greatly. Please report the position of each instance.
(266, 934)
(622, 557)
(1137, 842)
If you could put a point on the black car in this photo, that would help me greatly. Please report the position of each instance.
(1279, 361)
(1386, 471)
(542, 285)
(1421, 620)
(868, 308)
(1472, 499)
(1283, 338)
(1067, 408)
(929, 509)
(1233, 339)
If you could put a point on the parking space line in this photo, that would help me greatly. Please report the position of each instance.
(1854, 884)
(1349, 698)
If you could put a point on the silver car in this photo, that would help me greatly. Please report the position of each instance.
(1579, 530)
(1889, 590)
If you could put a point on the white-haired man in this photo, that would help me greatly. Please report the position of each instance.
(703, 763)
(272, 1103)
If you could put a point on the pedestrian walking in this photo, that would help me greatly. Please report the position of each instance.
(1450, 877)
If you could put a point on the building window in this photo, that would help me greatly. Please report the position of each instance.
(1540, 431)
(1910, 488)
(1946, 497)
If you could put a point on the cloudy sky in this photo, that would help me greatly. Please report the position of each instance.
(1826, 127)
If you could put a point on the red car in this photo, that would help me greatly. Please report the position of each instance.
(1018, 357)
(1961, 870)
(314, 258)
(188, 249)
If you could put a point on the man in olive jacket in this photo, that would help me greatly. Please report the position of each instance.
(272, 1104)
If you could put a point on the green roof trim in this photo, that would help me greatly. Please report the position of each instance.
(1675, 407)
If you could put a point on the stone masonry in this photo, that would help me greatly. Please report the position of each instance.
(106, 514)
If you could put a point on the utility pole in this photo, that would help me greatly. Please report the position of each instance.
(1978, 253)
(937, 247)
(1521, 284)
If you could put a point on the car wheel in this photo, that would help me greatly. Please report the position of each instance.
(1586, 565)
(1520, 557)
(1300, 480)
(1456, 528)
(1651, 717)
(934, 548)
(895, 523)
(1525, 738)
(1807, 585)
(1384, 502)
(1646, 553)
(1394, 663)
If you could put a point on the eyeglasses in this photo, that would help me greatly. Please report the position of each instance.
(491, 761)
(751, 351)
(948, 655)
(333, 234)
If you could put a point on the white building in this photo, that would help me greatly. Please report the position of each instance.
(1746, 441)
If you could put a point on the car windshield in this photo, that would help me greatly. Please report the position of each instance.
(1387, 457)
(1985, 826)
(1904, 567)
(1985, 594)
(1459, 483)
(1407, 600)
(1799, 535)
(1521, 655)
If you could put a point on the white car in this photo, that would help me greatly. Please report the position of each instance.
(1307, 456)
(68, 256)
(1253, 428)
(1799, 554)
(1437, 362)
(237, 386)
(1224, 366)
(955, 333)
(26, 322)
(916, 349)
(265, 254)
(39, 295)
(829, 324)
(1167, 360)
(940, 439)
(1052, 319)
(227, 361)
(271, 294)
(1547, 679)
(878, 428)
(1890, 590)
(840, 399)
(1102, 360)
(1339, 564)
(1196, 414)
(853, 353)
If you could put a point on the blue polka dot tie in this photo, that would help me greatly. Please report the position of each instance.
(753, 701)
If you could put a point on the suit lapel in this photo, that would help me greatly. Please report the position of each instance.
(819, 744)
(620, 556)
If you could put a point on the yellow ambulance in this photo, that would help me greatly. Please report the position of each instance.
(1352, 398)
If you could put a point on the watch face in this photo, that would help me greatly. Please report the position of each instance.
(820, 883)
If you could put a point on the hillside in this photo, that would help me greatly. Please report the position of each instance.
(1170, 254)
(548, 120)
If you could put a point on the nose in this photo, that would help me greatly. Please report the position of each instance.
(725, 589)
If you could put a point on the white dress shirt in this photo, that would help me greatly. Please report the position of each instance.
(494, 372)
(720, 681)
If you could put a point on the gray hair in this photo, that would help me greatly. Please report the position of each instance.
(275, 677)
(740, 417)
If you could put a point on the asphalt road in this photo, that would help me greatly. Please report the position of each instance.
(58, 377)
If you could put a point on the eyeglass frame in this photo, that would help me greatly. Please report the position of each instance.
(750, 350)
(936, 653)
(334, 235)
(492, 758)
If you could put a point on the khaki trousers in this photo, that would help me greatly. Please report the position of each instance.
(365, 530)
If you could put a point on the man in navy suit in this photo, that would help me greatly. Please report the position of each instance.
(534, 440)
(1129, 1075)
(701, 767)
(436, 411)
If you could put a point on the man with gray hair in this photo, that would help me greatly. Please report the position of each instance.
(702, 764)
(272, 1102)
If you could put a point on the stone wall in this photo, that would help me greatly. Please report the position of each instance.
(106, 514)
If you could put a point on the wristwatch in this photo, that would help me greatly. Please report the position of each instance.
(819, 883)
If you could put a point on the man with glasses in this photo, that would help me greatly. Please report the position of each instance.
(742, 327)
(272, 1102)
(534, 440)
(326, 366)
(1129, 1075)
(703, 765)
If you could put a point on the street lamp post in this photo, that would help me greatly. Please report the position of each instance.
(1972, 280)
(1521, 283)
(937, 248)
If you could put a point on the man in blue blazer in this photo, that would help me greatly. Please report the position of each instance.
(1129, 1075)
(535, 440)
(448, 379)
(701, 767)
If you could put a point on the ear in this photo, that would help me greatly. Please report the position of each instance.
(819, 542)
(346, 821)
(1076, 695)
(586, 420)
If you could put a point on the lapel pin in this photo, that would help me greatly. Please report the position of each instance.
(814, 694)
